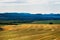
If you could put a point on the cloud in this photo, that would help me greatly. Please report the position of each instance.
(26, 8)
(13, 1)
(57, 3)
(26, 1)
(55, 8)
(54, 1)
(34, 6)
(38, 1)
(7, 0)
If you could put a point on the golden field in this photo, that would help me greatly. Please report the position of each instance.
(30, 32)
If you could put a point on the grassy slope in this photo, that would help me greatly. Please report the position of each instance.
(20, 22)
(48, 21)
(31, 32)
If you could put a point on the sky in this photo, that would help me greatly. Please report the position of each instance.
(31, 6)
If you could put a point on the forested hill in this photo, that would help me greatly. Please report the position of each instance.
(28, 16)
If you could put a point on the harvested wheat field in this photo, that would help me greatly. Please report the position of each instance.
(30, 32)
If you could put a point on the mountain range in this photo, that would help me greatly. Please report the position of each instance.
(28, 16)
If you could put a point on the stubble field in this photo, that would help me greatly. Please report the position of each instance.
(30, 32)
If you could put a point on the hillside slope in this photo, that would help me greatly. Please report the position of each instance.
(30, 32)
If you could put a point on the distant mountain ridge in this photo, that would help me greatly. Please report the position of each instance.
(28, 16)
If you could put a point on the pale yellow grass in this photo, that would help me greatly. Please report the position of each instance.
(30, 32)
(33, 26)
